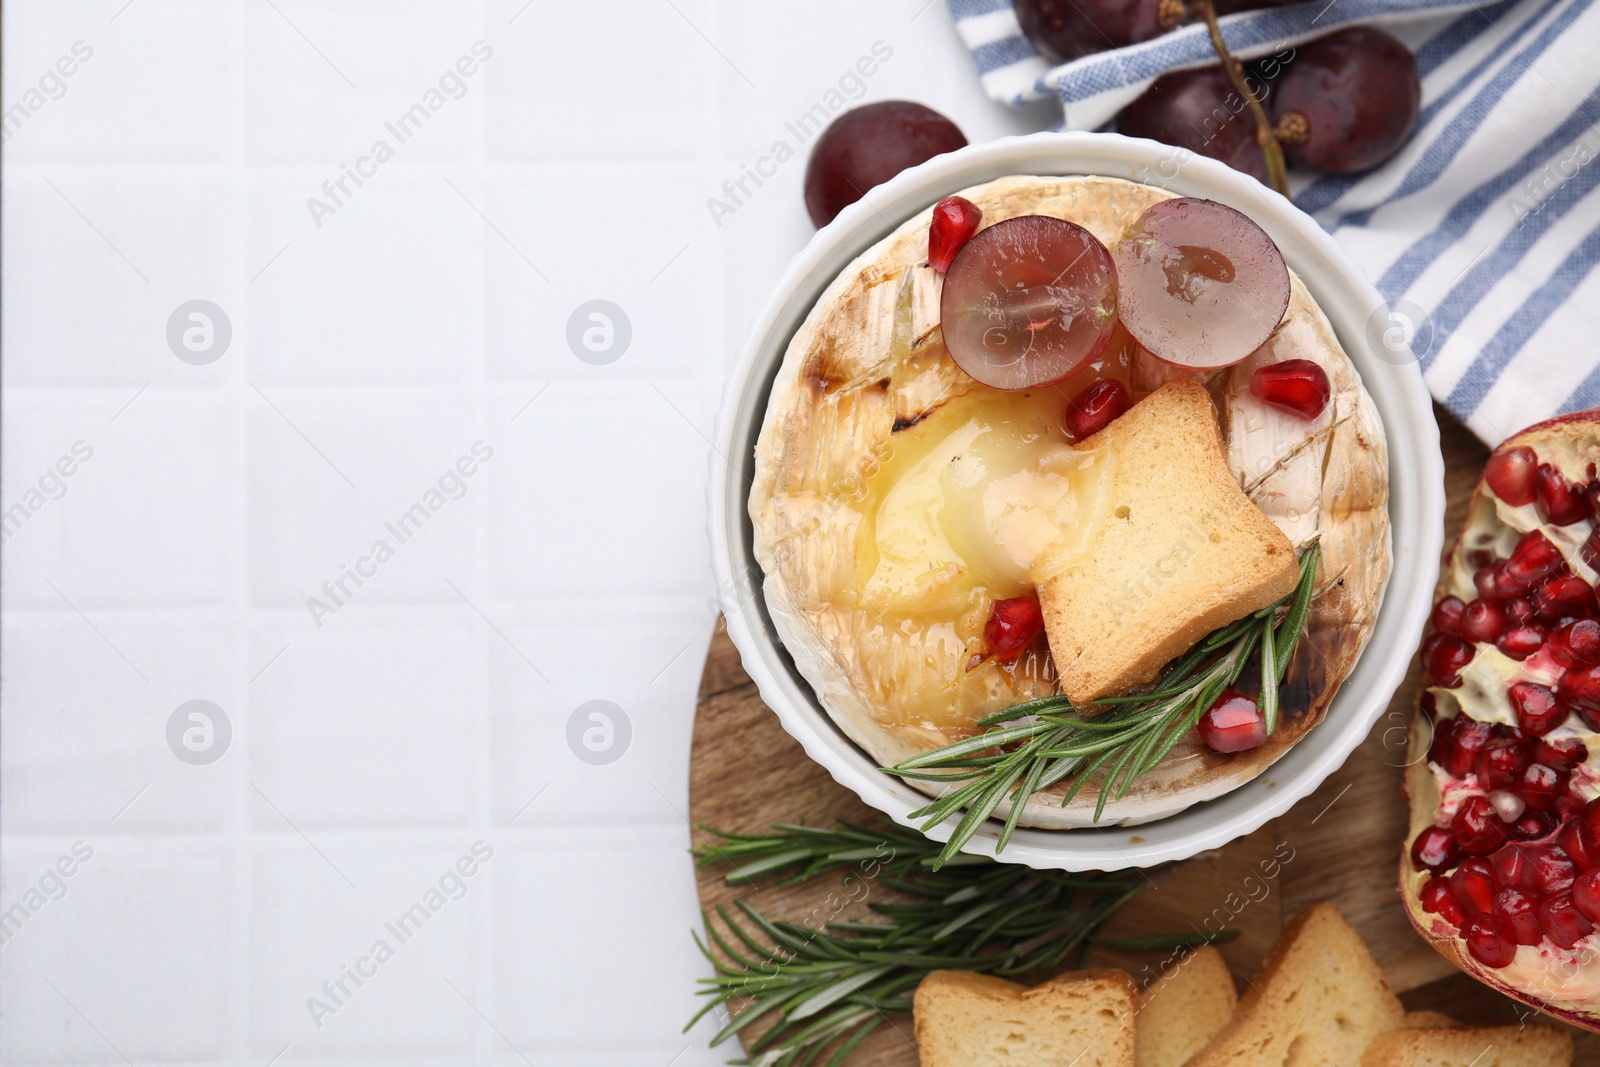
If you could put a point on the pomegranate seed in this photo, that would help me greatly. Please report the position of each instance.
(1555, 500)
(1297, 386)
(1490, 940)
(1538, 712)
(1435, 850)
(1519, 610)
(1447, 616)
(1562, 922)
(1502, 762)
(1580, 691)
(1553, 870)
(1571, 840)
(1096, 408)
(1012, 626)
(1476, 827)
(1491, 583)
(1485, 621)
(1511, 868)
(1509, 473)
(1437, 900)
(1563, 596)
(1443, 657)
(1563, 755)
(1520, 642)
(1233, 724)
(1534, 559)
(1507, 804)
(955, 220)
(1591, 550)
(1576, 643)
(1472, 885)
(1541, 785)
(1458, 749)
(1588, 823)
(1521, 910)
(1586, 894)
(1532, 826)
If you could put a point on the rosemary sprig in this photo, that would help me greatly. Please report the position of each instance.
(830, 985)
(1031, 746)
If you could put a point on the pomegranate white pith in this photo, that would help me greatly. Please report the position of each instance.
(1502, 866)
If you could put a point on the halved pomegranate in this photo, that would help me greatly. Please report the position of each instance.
(1502, 867)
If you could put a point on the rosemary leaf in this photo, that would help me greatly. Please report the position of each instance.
(1269, 672)
(1015, 760)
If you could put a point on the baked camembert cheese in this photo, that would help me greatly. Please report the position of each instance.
(897, 500)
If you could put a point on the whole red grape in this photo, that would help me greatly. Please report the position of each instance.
(869, 145)
(1065, 30)
(1198, 110)
(1356, 92)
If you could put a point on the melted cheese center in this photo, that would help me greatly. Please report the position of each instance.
(981, 500)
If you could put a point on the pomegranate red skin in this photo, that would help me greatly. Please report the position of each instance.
(1097, 407)
(1233, 724)
(1012, 626)
(1297, 386)
(1484, 952)
(955, 220)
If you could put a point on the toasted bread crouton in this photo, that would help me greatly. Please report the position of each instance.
(1318, 999)
(1486, 1046)
(1183, 552)
(1181, 1009)
(1085, 1018)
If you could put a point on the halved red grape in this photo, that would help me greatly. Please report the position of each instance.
(1028, 301)
(869, 145)
(1357, 92)
(1200, 284)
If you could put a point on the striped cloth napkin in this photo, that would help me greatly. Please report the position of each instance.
(1482, 233)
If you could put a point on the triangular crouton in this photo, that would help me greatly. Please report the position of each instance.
(1181, 1010)
(1318, 999)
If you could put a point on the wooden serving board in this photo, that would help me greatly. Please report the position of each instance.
(1340, 844)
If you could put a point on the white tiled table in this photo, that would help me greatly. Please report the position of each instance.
(374, 745)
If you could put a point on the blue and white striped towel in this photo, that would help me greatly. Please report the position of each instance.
(1488, 220)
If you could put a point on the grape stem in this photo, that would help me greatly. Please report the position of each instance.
(1266, 136)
